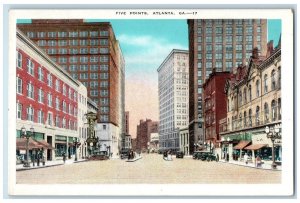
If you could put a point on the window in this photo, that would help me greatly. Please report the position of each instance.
(57, 85)
(30, 113)
(257, 88)
(219, 65)
(64, 123)
(70, 109)
(57, 121)
(104, 84)
(258, 29)
(239, 38)
(30, 91)
(219, 56)
(249, 30)
(208, 56)
(208, 65)
(273, 81)
(250, 93)
(245, 96)
(93, 50)
(219, 39)
(258, 38)
(83, 34)
(19, 60)
(41, 96)
(279, 77)
(62, 42)
(208, 30)
(73, 67)
(229, 48)
(62, 51)
(257, 119)
(103, 58)
(239, 47)
(240, 98)
(93, 33)
(94, 84)
(103, 93)
(104, 109)
(279, 109)
(41, 34)
(250, 117)
(94, 42)
(94, 76)
(40, 116)
(50, 119)
(19, 85)
(83, 50)
(30, 34)
(208, 39)
(239, 30)
(219, 30)
(94, 92)
(64, 106)
(73, 34)
(103, 33)
(249, 38)
(57, 103)
(49, 78)
(228, 65)
(103, 42)
(245, 118)
(62, 34)
(94, 67)
(70, 93)
(103, 75)
(239, 55)
(64, 90)
(228, 56)
(19, 110)
(228, 39)
(73, 59)
(228, 30)
(274, 110)
(104, 101)
(73, 51)
(249, 47)
(94, 59)
(266, 112)
(266, 83)
(83, 67)
(83, 76)
(73, 42)
(49, 99)
(104, 50)
(30, 67)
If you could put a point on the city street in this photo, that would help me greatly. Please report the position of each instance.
(150, 169)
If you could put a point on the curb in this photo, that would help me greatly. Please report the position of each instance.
(261, 168)
(133, 160)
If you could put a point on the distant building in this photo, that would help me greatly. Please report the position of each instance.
(173, 85)
(154, 142)
(184, 141)
(133, 144)
(144, 130)
(128, 143)
(222, 44)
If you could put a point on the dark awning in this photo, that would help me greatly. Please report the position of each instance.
(21, 143)
(255, 146)
(242, 144)
(46, 145)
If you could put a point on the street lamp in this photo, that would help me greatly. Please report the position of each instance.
(273, 134)
(75, 142)
(27, 136)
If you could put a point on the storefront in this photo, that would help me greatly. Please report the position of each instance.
(60, 145)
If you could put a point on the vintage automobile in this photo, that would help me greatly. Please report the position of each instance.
(205, 156)
(124, 154)
(179, 154)
(196, 154)
(99, 155)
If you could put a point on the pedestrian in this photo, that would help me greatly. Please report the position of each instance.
(64, 157)
(246, 158)
(258, 161)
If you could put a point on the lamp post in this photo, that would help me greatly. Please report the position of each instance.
(27, 136)
(75, 142)
(273, 134)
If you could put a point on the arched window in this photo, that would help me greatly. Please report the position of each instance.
(273, 80)
(250, 117)
(245, 95)
(266, 83)
(250, 93)
(266, 111)
(240, 120)
(257, 88)
(279, 109)
(279, 77)
(274, 110)
(240, 98)
(257, 116)
(245, 118)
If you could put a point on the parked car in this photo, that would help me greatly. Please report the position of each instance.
(208, 156)
(196, 154)
(124, 154)
(179, 154)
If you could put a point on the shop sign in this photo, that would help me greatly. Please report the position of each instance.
(261, 139)
(22, 151)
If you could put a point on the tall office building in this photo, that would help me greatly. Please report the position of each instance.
(221, 44)
(90, 52)
(173, 85)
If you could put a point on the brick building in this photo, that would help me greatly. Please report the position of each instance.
(90, 52)
(144, 130)
(46, 99)
(215, 104)
(220, 44)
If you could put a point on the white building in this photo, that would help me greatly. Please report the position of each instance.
(82, 109)
(154, 142)
(173, 85)
(184, 140)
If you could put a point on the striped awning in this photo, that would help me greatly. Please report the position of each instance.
(242, 144)
(255, 146)
(21, 143)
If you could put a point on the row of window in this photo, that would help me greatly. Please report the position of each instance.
(229, 21)
(228, 48)
(73, 42)
(261, 116)
(101, 33)
(83, 59)
(77, 51)
(41, 72)
(92, 67)
(67, 108)
(40, 118)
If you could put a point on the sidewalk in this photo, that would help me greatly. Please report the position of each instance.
(265, 166)
(20, 167)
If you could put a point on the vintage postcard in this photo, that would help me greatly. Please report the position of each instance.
(151, 102)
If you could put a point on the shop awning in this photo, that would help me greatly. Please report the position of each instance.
(46, 145)
(255, 146)
(32, 144)
(242, 144)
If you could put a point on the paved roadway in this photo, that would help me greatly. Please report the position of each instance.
(150, 169)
